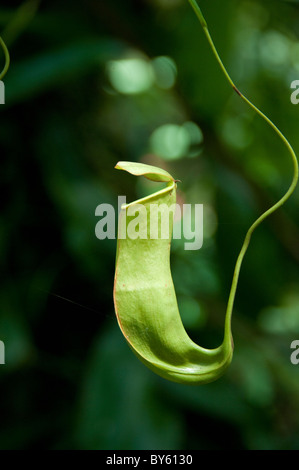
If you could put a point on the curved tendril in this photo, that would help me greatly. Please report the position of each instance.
(281, 201)
(7, 58)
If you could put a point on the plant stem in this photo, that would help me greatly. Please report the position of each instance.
(273, 208)
(7, 58)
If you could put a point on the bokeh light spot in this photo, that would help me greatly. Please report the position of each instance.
(170, 141)
(131, 76)
(173, 141)
(165, 72)
(274, 49)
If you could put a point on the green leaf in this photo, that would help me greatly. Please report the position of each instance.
(150, 172)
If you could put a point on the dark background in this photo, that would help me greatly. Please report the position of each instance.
(72, 111)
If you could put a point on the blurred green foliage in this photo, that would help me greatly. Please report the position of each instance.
(95, 82)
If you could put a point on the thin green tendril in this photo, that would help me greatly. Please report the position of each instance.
(7, 58)
(281, 201)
